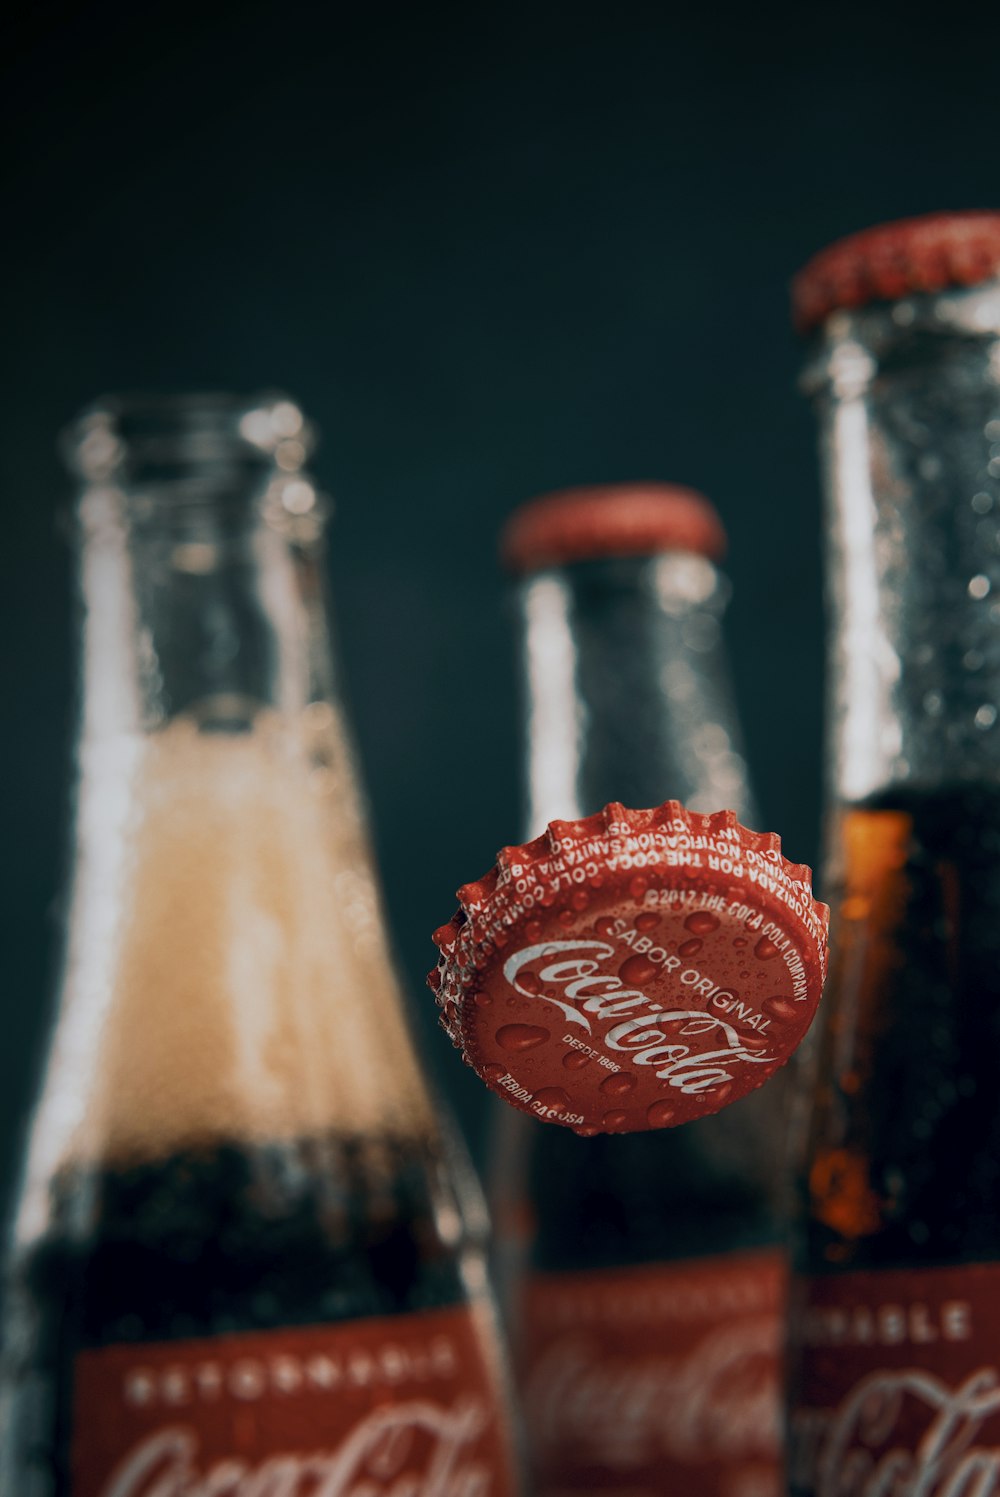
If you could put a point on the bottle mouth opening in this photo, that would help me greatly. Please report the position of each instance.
(147, 439)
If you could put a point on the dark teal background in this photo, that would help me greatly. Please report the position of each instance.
(491, 251)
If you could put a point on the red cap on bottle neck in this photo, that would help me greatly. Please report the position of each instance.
(633, 970)
(928, 254)
(619, 519)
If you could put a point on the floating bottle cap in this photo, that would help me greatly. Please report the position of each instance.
(893, 260)
(633, 970)
(619, 519)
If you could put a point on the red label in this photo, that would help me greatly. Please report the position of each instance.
(656, 1380)
(896, 1388)
(407, 1405)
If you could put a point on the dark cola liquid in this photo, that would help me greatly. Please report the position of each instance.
(217, 1241)
(706, 1188)
(904, 1156)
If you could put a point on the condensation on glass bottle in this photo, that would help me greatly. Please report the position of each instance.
(241, 1261)
(895, 1336)
(642, 1273)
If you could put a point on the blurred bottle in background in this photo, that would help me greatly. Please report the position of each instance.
(242, 1260)
(895, 1364)
(642, 1273)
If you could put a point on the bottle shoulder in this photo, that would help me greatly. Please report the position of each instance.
(228, 977)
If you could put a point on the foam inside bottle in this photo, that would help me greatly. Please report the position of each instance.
(252, 996)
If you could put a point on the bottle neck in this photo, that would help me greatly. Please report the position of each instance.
(909, 407)
(227, 977)
(627, 692)
(200, 569)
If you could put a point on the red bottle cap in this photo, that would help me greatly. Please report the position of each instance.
(620, 519)
(633, 970)
(897, 259)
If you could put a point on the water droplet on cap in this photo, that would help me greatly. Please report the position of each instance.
(637, 970)
(765, 950)
(646, 921)
(701, 922)
(575, 1060)
(521, 1036)
(661, 1114)
(618, 1085)
(690, 948)
(615, 1119)
(552, 1098)
(782, 1009)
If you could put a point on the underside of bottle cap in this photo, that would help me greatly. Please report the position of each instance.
(622, 519)
(928, 254)
(633, 970)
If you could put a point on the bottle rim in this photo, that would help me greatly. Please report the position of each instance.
(121, 435)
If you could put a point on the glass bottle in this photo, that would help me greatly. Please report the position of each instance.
(895, 1366)
(647, 1318)
(241, 1262)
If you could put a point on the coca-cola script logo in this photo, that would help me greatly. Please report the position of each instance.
(644, 1033)
(716, 1401)
(416, 1449)
(901, 1434)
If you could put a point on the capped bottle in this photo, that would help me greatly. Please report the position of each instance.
(894, 1374)
(244, 1258)
(647, 1312)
